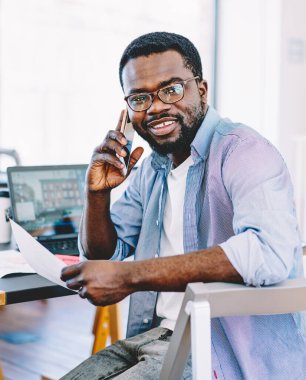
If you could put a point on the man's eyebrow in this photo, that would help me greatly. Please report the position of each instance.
(161, 84)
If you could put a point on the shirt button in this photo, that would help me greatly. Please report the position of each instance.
(146, 320)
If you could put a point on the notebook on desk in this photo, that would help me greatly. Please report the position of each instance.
(47, 201)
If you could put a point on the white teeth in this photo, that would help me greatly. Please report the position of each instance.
(163, 124)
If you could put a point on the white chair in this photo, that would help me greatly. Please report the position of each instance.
(205, 301)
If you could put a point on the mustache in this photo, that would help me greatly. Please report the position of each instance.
(179, 118)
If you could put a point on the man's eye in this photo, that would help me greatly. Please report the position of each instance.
(139, 99)
(173, 90)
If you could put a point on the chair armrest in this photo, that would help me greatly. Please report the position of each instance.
(226, 299)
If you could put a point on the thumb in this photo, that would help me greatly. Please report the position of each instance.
(135, 156)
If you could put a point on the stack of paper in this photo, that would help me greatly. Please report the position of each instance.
(13, 262)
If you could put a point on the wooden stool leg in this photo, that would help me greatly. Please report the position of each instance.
(115, 323)
(1, 374)
(106, 324)
(101, 328)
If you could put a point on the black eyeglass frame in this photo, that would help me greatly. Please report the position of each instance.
(152, 95)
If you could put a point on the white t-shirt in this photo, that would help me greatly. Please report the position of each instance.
(169, 303)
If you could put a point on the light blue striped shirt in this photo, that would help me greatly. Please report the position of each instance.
(239, 196)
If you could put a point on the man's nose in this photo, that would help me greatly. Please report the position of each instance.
(158, 106)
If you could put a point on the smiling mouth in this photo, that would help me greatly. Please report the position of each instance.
(164, 128)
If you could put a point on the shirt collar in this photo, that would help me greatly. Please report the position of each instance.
(160, 162)
(199, 146)
(201, 143)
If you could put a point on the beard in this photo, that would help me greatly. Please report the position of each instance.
(190, 123)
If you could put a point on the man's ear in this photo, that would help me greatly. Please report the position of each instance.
(203, 90)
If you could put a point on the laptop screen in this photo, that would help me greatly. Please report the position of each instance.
(47, 201)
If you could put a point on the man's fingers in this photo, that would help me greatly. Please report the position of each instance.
(118, 136)
(114, 143)
(75, 283)
(135, 156)
(71, 271)
(108, 159)
(82, 291)
(114, 146)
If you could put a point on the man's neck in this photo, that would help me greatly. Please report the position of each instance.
(178, 158)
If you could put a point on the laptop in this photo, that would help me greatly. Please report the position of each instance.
(47, 201)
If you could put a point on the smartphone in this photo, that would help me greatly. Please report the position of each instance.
(127, 129)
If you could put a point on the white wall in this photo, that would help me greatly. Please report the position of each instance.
(262, 77)
(248, 63)
(59, 86)
(292, 115)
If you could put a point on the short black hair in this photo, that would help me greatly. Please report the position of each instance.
(159, 42)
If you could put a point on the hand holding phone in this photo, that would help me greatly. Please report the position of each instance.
(128, 131)
(108, 168)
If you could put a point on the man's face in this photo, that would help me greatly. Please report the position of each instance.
(168, 128)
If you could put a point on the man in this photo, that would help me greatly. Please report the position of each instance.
(214, 190)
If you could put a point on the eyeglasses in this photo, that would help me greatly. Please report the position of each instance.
(169, 94)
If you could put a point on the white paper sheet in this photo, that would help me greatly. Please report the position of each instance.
(13, 262)
(37, 256)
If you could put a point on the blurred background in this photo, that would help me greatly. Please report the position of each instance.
(59, 87)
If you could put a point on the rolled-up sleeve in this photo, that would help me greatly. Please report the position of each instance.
(266, 241)
(119, 254)
(81, 250)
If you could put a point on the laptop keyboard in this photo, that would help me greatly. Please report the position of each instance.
(63, 247)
